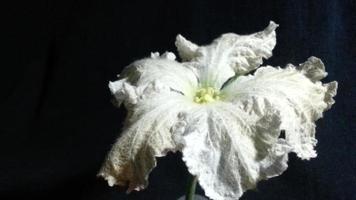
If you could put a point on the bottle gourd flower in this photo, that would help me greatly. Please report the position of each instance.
(226, 121)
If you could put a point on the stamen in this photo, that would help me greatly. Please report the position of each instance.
(206, 95)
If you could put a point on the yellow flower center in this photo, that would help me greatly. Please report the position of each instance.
(206, 95)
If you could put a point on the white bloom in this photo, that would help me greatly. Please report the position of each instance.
(226, 123)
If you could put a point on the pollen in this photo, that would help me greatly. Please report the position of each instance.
(206, 95)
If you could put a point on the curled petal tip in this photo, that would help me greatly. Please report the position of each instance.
(154, 55)
(114, 86)
(179, 37)
(186, 48)
(169, 55)
(272, 23)
(271, 27)
(313, 68)
(132, 188)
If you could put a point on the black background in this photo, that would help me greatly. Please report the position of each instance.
(57, 122)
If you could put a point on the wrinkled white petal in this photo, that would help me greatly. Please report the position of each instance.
(230, 149)
(296, 93)
(228, 55)
(162, 68)
(152, 111)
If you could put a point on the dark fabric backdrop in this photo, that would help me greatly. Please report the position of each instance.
(57, 122)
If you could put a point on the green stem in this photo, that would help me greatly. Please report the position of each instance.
(191, 188)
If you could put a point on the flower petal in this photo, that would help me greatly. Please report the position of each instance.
(164, 68)
(152, 111)
(296, 92)
(228, 55)
(230, 150)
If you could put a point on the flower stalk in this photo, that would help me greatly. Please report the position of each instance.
(192, 183)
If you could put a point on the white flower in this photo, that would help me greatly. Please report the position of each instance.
(226, 123)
